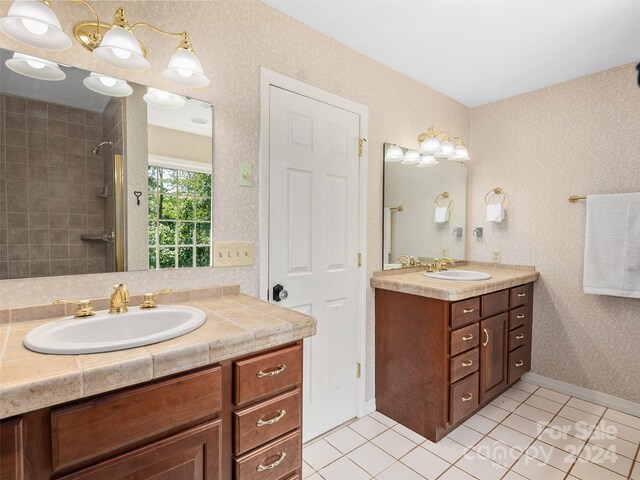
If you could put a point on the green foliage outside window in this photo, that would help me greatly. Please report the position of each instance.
(179, 218)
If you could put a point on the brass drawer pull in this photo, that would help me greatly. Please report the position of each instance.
(467, 363)
(262, 468)
(522, 294)
(468, 337)
(520, 336)
(469, 310)
(272, 373)
(519, 363)
(261, 423)
(484, 344)
(467, 397)
(520, 315)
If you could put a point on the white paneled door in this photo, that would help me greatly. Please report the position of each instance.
(313, 244)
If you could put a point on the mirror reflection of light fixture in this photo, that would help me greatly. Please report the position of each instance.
(411, 157)
(34, 23)
(35, 67)
(162, 99)
(428, 161)
(105, 85)
(394, 154)
(431, 145)
(462, 154)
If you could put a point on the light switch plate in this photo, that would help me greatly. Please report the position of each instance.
(232, 254)
(245, 174)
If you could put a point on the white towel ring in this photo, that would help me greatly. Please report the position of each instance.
(496, 191)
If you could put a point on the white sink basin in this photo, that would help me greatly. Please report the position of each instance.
(465, 275)
(106, 332)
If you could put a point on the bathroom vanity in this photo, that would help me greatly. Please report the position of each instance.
(444, 349)
(236, 415)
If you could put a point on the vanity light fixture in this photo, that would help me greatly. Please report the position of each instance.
(35, 67)
(34, 23)
(428, 161)
(105, 85)
(411, 157)
(394, 154)
(162, 99)
(430, 144)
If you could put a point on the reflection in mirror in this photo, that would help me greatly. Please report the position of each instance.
(424, 210)
(99, 175)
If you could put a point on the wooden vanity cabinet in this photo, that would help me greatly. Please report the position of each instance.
(439, 362)
(239, 420)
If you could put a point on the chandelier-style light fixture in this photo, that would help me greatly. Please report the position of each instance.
(430, 149)
(34, 23)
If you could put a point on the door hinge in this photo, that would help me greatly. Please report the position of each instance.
(361, 145)
(359, 260)
(358, 370)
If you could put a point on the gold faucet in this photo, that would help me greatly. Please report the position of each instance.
(410, 261)
(83, 307)
(150, 301)
(441, 264)
(119, 299)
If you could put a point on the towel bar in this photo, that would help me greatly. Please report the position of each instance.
(575, 198)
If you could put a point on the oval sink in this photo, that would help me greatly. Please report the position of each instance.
(106, 332)
(467, 275)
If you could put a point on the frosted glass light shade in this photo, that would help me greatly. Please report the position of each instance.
(430, 146)
(185, 69)
(105, 85)
(428, 161)
(446, 150)
(33, 23)
(394, 154)
(162, 99)
(411, 157)
(462, 154)
(119, 48)
(35, 67)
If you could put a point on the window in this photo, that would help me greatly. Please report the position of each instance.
(179, 218)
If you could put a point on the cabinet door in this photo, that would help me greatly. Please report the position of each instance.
(190, 455)
(11, 452)
(493, 355)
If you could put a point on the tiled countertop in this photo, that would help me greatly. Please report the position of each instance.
(236, 325)
(415, 283)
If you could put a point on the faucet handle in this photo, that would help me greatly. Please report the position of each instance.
(83, 307)
(150, 301)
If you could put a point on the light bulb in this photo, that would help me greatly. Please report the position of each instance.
(120, 53)
(184, 73)
(107, 81)
(162, 95)
(34, 64)
(37, 28)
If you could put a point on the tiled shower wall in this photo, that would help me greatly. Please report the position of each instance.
(50, 182)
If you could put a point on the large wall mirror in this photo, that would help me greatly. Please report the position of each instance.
(98, 174)
(424, 210)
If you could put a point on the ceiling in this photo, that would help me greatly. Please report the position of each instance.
(480, 51)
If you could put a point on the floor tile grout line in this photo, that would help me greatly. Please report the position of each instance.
(635, 460)
(585, 444)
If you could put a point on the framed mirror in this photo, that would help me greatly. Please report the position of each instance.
(424, 210)
(98, 174)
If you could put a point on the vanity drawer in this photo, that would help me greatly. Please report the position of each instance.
(283, 456)
(519, 362)
(518, 337)
(495, 303)
(519, 295)
(465, 311)
(518, 317)
(112, 423)
(463, 398)
(266, 374)
(463, 365)
(464, 339)
(265, 421)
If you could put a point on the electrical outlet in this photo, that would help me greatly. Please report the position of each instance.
(497, 256)
(445, 252)
(232, 254)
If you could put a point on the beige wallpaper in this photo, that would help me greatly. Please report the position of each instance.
(234, 39)
(578, 137)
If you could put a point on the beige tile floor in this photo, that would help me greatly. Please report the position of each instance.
(526, 433)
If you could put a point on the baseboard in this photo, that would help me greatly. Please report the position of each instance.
(604, 399)
(369, 407)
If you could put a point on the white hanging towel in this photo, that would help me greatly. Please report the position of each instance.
(441, 215)
(387, 234)
(495, 212)
(612, 245)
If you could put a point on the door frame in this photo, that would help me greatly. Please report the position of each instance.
(270, 78)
